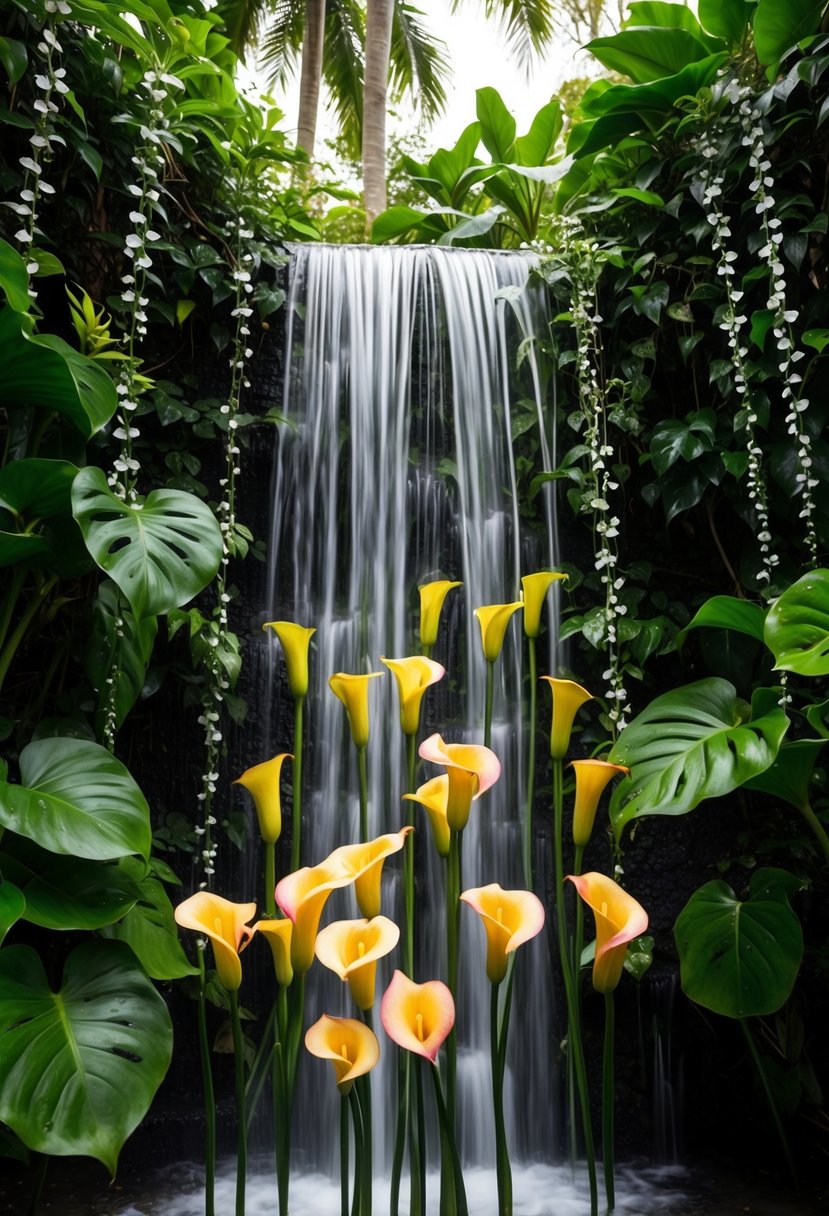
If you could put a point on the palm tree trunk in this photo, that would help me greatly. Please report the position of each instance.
(378, 47)
(311, 75)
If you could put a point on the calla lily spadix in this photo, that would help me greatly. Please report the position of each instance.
(619, 919)
(351, 948)
(225, 925)
(349, 1044)
(568, 697)
(493, 619)
(352, 690)
(278, 934)
(432, 596)
(510, 918)
(434, 796)
(262, 783)
(362, 864)
(302, 896)
(413, 675)
(471, 769)
(417, 1017)
(534, 588)
(592, 776)
(295, 641)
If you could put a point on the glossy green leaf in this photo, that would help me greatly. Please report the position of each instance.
(120, 648)
(727, 19)
(65, 892)
(696, 742)
(659, 95)
(639, 957)
(22, 547)
(37, 488)
(14, 58)
(12, 903)
(14, 281)
(475, 225)
(80, 1065)
(76, 798)
(538, 145)
(778, 27)
(395, 222)
(790, 777)
(150, 930)
(161, 551)
(648, 54)
(497, 124)
(662, 13)
(727, 612)
(797, 626)
(739, 958)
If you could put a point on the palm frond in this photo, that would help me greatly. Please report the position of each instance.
(527, 25)
(418, 61)
(281, 42)
(343, 67)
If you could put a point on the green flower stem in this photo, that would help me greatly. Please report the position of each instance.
(408, 860)
(775, 1113)
(401, 1128)
(296, 772)
(290, 1009)
(502, 1164)
(426, 651)
(574, 1040)
(277, 1094)
(343, 1155)
(608, 1100)
(270, 878)
(417, 1160)
(20, 630)
(578, 940)
(452, 908)
(363, 1087)
(259, 1069)
(209, 1098)
(528, 814)
(363, 774)
(490, 680)
(452, 1190)
(242, 1131)
(817, 828)
(357, 1207)
(10, 598)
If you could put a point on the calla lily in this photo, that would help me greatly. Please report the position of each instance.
(262, 782)
(224, 923)
(434, 795)
(417, 1017)
(302, 897)
(493, 620)
(471, 770)
(619, 919)
(362, 864)
(591, 778)
(413, 675)
(351, 948)
(510, 918)
(534, 588)
(295, 640)
(278, 934)
(568, 697)
(350, 1046)
(432, 596)
(352, 690)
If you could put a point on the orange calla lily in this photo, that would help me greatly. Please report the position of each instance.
(262, 782)
(510, 918)
(417, 1017)
(295, 641)
(471, 769)
(351, 948)
(224, 923)
(352, 690)
(350, 1046)
(278, 934)
(302, 897)
(432, 596)
(434, 796)
(534, 588)
(413, 675)
(362, 864)
(619, 919)
(493, 620)
(568, 697)
(591, 778)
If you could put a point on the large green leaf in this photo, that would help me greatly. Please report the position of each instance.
(497, 124)
(14, 280)
(150, 930)
(740, 958)
(777, 27)
(65, 892)
(12, 905)
(538, 145)
(696, 742)
(37, 488)
(80, 1066)
(727, 19)
(120, 648)
(161, 551)
(76, 798)
(648, 54)
(790, 777)
(727, 612)
(797, 626)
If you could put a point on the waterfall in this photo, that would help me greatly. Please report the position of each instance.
(396, 466)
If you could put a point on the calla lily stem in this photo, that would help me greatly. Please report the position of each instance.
(528, 814)
(608, 1100)
(296, 817)
(453, 890)
(498, 1037)
(209, 1098)
(452, 1190)
(363, 775)
(270, 877)
(242, 1131)
(344, 1133)
(490, 681)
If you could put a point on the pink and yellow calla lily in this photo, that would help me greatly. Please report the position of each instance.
(352, 690)
(432, 596)
(413, 675)
(534, 588)
(351, 948)
(568, 697)
(471, 769)
(295, 641)
(278, 934)
(434, 796)
(493, 619)
(302, 897)
(262, 783)
(417, 1017)
(225, 925)
(362, 864)
(349, 1044)
(619, 919)
(510, 918)
(592, 776)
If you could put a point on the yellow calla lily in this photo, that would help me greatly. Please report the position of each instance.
(568, 697)
(493, 620)
(534, 588)
(432, 596)
(352, 690)
(417, 1017)
(262, 782)
(591, 778)
(349, 1044)
(278, 934)
(413, 675)
(302, 897)
(619, 919)
(224, 924)
(510, 918)
(471, 769)
(295, 641)
(434, 796)
(362, 864)
(351, 949)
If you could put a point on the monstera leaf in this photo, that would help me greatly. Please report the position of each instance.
(696, 742)
(150, 930)
(79, 1066)
(12, 907)
(65, 892)
(797, 626)
(160, 551)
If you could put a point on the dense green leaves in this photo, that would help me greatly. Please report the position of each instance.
(12, 906)
(119, 649)
(65, 892)
(648, 54)
(797, 626)
(150, 930)
(14, 281)
(726, 18)
(728, 612)
(777, 27)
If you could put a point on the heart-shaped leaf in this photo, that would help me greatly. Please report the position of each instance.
(12, 905)
(727, 612)
(65, 892)
(37, 488)
(790, 777)
(120, 648)
(150, 930)
(79, 1066)
(797, 626)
